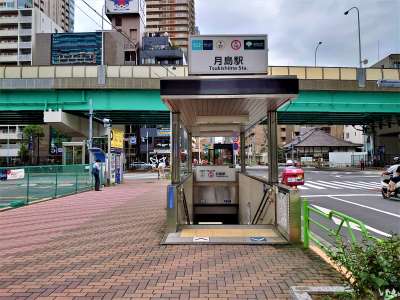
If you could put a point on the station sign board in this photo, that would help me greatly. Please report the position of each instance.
(228, 54)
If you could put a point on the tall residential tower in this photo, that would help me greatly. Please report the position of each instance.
(176, 17)
(21, 20)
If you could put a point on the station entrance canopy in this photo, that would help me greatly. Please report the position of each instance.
(211, 106)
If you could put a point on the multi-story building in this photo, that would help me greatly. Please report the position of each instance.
(390, 61)
(129, 18)
(157, 50)
(20, 21)
(10, 143)
(176, 17)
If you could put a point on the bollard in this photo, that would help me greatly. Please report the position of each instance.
(27, 188)
(306, 224)
(56, 186)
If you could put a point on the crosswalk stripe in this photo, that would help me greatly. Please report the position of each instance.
(347, 186)
(314, 186)
(365, 185)
(340, 186)
(300, 187)
(327, 184)
(355, 184)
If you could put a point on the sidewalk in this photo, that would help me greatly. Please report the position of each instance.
(104, 245)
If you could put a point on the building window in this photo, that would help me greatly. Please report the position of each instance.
(347, 135)
(118, 21)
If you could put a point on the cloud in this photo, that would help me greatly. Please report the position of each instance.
(295, 27)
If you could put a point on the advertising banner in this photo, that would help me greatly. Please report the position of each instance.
(15, 174)
(117, 139)
(227, 54)
(125, 7)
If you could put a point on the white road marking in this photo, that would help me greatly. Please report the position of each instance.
(357, 184)
(365, 206)
(314, 186)
(352, 225)
(300, 187)
(347, 186)
(334, 185)
(341, 195)
(327, 184)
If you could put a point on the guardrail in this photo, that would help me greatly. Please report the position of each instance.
(302, 72)
(338, 219)
(21, 185)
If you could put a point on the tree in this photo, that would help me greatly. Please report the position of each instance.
(32, 134)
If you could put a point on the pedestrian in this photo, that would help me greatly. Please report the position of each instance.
(96, 175)
(362, 164)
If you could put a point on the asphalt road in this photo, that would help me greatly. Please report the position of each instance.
(356, 194)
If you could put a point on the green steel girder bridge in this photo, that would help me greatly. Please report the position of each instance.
(131, 94)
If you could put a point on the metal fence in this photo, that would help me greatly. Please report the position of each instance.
(22, 185)
(325, 228)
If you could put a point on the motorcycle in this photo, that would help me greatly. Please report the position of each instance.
(384, 190)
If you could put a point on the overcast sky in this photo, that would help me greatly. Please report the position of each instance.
(294, 27)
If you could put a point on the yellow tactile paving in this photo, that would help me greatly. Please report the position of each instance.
(229, 232)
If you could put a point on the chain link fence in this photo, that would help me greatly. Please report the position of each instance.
(21, 185)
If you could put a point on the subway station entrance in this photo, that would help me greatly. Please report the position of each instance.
(217, 202)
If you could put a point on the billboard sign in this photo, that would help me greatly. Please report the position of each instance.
(228, 54)
(117, 139)
(125, 7)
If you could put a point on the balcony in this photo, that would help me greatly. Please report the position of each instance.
(9, 20)
(12, 136)
(8, 45)
(25, 32)
(11, 152)
(9, 32)
(25, 45)
(8, 58)
(25, 57)
(25, 19)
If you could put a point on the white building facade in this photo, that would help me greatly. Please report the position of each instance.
(10, 143)
(19, 23)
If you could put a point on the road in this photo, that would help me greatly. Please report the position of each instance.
(356, 194)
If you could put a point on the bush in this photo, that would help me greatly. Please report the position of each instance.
(372, 267)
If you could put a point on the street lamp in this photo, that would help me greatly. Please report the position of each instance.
(359, 32)
(315, 54)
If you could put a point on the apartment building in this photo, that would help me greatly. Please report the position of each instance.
(10, 143)
(176, 17)
(20, 21)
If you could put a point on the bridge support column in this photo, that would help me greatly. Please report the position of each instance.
(190, 153)
(175, 148)
(273, 147)
(242, 152)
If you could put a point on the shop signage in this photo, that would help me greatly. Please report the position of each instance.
(226, 54)
(117, 139)
(164, 132)
(215, 173)
(126, 7)
(133, 140)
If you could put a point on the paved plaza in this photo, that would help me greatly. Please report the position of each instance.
(104, 245)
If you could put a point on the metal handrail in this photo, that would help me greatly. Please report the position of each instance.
(308, 235)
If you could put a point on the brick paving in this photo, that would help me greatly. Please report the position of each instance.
(105, 245)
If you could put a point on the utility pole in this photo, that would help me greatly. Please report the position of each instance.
(90, 144)
(8, 145)
(109, 154)
(147, 145)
